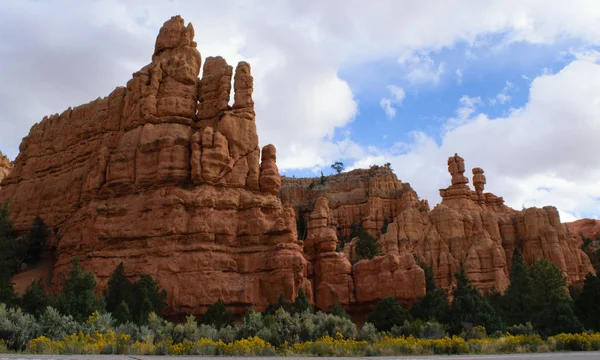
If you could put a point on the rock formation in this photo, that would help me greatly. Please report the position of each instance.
(469, 229)
(589, 228)
(165, 176)
(5, 167)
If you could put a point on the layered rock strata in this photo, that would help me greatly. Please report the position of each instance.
(590, 228)
(166, 176)
(469, 228)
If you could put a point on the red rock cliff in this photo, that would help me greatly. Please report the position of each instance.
(469, 228)
(164, 175)
(589, 228)
(5, 167)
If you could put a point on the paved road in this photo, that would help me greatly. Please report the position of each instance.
(548, 356)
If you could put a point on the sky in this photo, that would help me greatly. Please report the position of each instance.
(512, 86)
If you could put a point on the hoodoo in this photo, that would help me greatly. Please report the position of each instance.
(166, 175)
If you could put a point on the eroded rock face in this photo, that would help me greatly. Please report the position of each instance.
(468, 228)
(165, 176)
(5, 167)
(589, 228)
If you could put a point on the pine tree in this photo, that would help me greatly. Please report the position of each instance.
(302, 303)
(36, 241)
(552, 308)
(587, 304)
(217, 315)
(10, 250)
(147, 298)
(122, 314)
(434, 305)
(516, 303)
(338, 310)
(387, 313)
(384, 227)
(35, 300)
(119, 289)
(8, 256)
(78, 297)
(366, 245)
(282, 302)
(470, 308)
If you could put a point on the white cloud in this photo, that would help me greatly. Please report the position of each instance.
(388, 104)
(459, 76)
(467, 106)
(544, 153)
(60, 53)
(503, 97)
(421, 69)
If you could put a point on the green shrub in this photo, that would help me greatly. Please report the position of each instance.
(17, 328)
(338, 310)
(35, 300)
(521, 329)
(78, 297)
(250, 326)
(387, 313)
(420, 329)
(302, 303)
(315, 326)
(368, 332)
(56, 326)
(217, 315)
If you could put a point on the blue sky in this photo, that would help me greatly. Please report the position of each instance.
(499, 77)
(513, 86)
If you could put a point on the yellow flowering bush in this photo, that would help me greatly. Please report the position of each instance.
(41, 345)
(410, 345)
(3, 346)
(122, 343)
(253, 346)
(575, 342)
(328, 346)
(506, 344)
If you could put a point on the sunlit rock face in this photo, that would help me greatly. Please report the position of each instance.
(165, 176)
(469, 228)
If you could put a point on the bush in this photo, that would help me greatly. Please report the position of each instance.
(17, 328)
(315, 326)
(368, 332)
(149, 298)
(575, 342)
(366, 245)
(35, 300)
(250, 326)
(283, 327)
(217, 315)
(56, 326)
(302, 303)
(521, 329)
(387, 313)
(338, 310)
(282, 303)
(78, 297)
(36, 241)
(420, 329)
